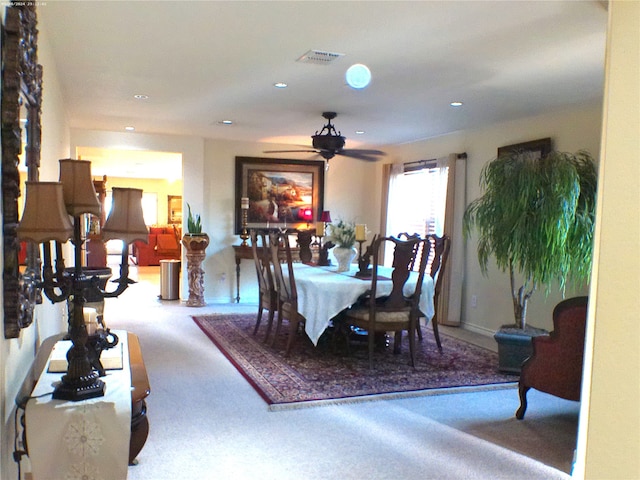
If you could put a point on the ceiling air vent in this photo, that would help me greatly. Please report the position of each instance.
(319, 57)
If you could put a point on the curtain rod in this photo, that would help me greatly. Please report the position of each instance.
(431, 163)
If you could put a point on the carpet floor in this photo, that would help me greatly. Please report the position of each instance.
(328, 373)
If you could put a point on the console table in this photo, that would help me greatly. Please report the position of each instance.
(131, 381)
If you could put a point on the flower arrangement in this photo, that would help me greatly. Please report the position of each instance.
(342, 234)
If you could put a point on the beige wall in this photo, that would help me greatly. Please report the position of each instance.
(609, 436)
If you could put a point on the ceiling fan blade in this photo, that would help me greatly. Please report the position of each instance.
(290, 151)
(360, 155)
(364, 151)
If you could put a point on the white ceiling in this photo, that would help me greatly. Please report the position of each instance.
(201, 62)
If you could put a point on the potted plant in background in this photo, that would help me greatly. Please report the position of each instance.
(536, 218)
(195, 242)
(343, 235)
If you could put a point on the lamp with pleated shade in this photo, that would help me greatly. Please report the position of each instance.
(126, 220)
(44, 217)
(77, 184)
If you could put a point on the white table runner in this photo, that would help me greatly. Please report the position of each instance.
(87, 439)
(323, 293)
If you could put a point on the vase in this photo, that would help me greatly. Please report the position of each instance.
(344, 257)
(196, 244)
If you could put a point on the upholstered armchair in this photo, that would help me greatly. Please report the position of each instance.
(556, 364)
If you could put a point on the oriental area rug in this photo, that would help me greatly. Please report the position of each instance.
(329, 373)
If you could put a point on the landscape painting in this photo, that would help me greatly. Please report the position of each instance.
(282, 193)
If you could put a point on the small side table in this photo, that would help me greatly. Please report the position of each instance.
(140, 389)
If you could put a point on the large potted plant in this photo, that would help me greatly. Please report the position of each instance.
(195, 242)
(536, 219)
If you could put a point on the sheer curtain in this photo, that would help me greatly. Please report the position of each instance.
(427, 197)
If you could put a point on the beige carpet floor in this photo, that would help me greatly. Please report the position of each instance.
(207, 422)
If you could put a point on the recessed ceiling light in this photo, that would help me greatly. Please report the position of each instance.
(456, 104)
(141, 96)
(129, 128)
(225, 122)
(280, 85)
(360, 132)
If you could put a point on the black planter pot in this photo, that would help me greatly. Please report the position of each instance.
(515, 346)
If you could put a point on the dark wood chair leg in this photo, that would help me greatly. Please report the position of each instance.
(397, 342)
(293, 330)
(419, 330)
(522, 390)
(436, 334)
(412, 345)
(277, 332)
(258, 318)
(272, 313)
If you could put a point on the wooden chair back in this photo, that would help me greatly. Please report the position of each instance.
(262, 260)
(437, 260)
(406, 255)
(286, 287)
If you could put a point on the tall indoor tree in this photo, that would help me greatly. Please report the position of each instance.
(536, 218)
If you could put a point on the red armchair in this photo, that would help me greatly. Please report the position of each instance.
(556, 364)
(163, 244)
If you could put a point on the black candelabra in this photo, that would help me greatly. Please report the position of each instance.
(48, 206)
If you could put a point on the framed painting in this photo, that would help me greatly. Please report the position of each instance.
(281, 193)
(536, 148)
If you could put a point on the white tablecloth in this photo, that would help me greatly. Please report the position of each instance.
(323, 293)
(87, 439)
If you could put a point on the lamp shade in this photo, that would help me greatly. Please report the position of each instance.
(77, 184)
(126, 221)
(325, 217)
(44, 217)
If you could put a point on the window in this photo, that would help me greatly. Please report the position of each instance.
(417, 199)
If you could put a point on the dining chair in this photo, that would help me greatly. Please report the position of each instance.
(287, 294)
(436, 262)
(397, 311)
(268, 297)
(437, 253)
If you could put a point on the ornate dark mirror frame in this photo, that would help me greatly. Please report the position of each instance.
(21, 91)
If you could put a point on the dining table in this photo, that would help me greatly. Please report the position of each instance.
(323, 293)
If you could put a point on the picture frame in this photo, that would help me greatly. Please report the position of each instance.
(538, 148)
(174, 209)
(282, 193)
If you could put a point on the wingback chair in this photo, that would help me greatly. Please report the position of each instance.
(556, 364)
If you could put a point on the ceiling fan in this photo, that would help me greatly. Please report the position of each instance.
(329, 143)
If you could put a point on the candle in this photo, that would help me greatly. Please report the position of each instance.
(320, 229)
(361, 234)
(244, 203)
(90, 319)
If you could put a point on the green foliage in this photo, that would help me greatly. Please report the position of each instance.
(193, 222)
(536, 217)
